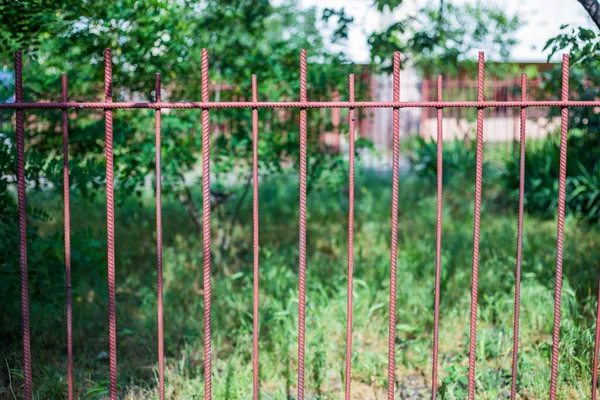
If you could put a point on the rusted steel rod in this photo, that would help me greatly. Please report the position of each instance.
(159, 248)
(476, 232)
(349, 311)
(560, 231)
(22, 212)
(206, 240)
(255, 243)
(517, 306)
(302, 235)
(110, 226)
(596, 345)
(394, 231)
(438, 245)
(67, 229)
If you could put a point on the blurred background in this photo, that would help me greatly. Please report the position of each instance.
(264, 37)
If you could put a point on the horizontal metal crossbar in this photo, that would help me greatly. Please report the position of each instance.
(297, 104)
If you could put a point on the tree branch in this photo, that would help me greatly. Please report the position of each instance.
(185, 197)
(593, 9)
(227, 238)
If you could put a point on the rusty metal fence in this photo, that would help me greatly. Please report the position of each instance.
(205, 105)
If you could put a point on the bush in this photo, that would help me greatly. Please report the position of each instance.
(542, 165)
(459, 158)
(584, 196)
(542, 161)
(45, 266)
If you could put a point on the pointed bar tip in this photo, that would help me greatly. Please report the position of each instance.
(63, 81)
(204, 57)
(481, 62)
(396, 59)
(303, 97)
(565, 61)
(157, 87)
(254, 88)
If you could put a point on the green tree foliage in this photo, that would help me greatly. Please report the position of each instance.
(583, 159)
(459, 160)
(583, 47)
(149, 36)
(243, 37)
(438, 39)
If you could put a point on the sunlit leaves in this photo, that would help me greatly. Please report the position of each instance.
(438, 39)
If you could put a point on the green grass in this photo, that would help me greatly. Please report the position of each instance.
(326, 305)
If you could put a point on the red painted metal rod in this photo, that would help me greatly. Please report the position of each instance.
(394, 231)
(302, 235)
(560, 231)
(299, 104)
(596, 346)
(255, 243)
(110, 227)
(438, 246)
(159, 249)
(517, 306)
(351, 125)
(476, 233)
(206, 229)
(22, 211)
(67, 228)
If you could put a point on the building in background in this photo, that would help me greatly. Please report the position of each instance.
(541, 20)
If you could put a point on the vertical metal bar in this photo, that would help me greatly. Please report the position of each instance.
(476, 231)
(110, 226)
(560, 233)
(351, 125)
(596, 346)
(517, 308)
(394, 233)
(302, 238)
(438, 245)
(159, 248)
(22, 210)
(67, 228)
(206, 228)
(255, 242)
